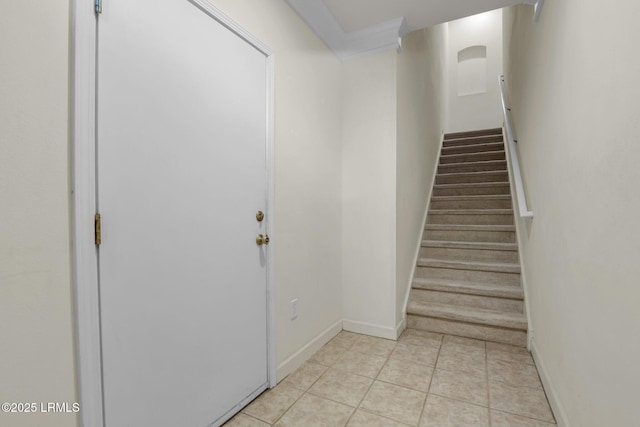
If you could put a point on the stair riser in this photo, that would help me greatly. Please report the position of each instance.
(472, 191)
(469, 275)
(462, 158)
(472, 178)
(476, 140)
(472, 204)
(472, 148)
(473, 133)
(509, 292)
(469, 330)
(482, 255)
(471, 219)
(472, 167)
(471, 236)
(476, 301)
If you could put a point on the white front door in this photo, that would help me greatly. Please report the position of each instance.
(182, 131)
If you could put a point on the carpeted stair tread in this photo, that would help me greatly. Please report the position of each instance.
(469, 314)
(469, 288)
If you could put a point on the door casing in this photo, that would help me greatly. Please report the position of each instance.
(84, 23)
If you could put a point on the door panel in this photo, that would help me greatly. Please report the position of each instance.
(181, 175)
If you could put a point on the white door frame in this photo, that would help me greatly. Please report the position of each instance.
(85, 256)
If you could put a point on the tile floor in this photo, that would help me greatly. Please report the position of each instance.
(422, 380)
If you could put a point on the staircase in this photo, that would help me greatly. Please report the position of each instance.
(467, 279)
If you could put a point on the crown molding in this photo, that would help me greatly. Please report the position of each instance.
(376, 38)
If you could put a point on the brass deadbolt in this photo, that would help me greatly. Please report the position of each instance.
(260, 216)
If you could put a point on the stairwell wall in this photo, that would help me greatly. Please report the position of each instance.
(572, 81)
(421, 108)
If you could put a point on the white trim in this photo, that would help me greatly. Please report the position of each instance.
(85, 265)
(390, 333)
(424, 224)
(271, 252)
(373, 39)
(296, 360)
(85, 260)
(552, 395)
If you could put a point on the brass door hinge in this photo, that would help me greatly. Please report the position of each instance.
(97, 229)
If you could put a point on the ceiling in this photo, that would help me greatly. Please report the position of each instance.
(355, 15)
(354, 28)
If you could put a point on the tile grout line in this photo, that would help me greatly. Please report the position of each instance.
(433, 373)
(370, 386)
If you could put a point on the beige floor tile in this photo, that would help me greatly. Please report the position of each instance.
(395, 402)
(306, 375)
(518, 374)
(345, 339)
(501, 419)
(315, 411)
(372, 345)
(365, 419)
(409, 375)
(460, 386)
(472, 362)
(443, 412)
(329, 354)
(343, 387)
(415, 354)
(421, 338)
(463, 345)
(270, 405)
(242, 420)
(367, 365)
(508, 353)
(525, 401)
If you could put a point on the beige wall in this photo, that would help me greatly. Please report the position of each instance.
(369, 194)
(481, 110)
(421, 106)
(37, 348)
(573, 85)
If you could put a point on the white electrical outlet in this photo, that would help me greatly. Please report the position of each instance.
(294, 308)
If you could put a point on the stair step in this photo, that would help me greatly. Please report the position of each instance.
(472, 157)
(470, 216)
(469, 271)
(473, 133)
(470, 233)
(470, 251)
(480, 166)
(474, 147)
(472, 177)
(472, 189)
(470, 265)
(502, 201)
(470, 315)
(512, 337)
(470, 288)
(472, 140)
(473, 301)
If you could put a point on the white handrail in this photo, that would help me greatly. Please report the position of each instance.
(513, 154)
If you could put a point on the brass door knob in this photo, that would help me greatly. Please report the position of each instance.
(262, 240)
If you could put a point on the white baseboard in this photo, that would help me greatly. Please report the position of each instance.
(370, 329)
(401, 326)
(300, 356)
(552, 395)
